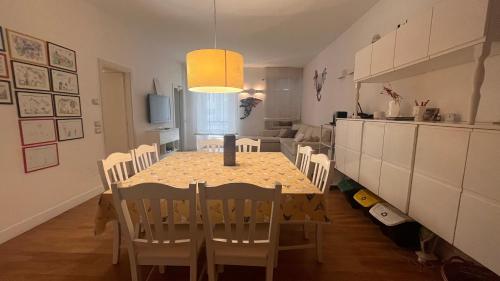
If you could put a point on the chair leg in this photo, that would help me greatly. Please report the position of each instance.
(116, 241)
(134, 270)
(193, 273)
(269, 271)
(161, 269)
(305, 229)
(319, 243)
(211, 269)
(276, 250)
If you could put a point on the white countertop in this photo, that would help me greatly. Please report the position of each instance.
(478, 125)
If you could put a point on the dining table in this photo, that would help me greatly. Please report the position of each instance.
(301, 200)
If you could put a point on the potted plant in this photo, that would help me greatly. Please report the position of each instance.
(394, 104)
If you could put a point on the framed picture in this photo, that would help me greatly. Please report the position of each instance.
(4, 69)
(61, 57)
(64, 82)
(69, 129)
(2, 42)
(30, 77)
(34, 104)
(26, 48)
(40, 157)
(67, 106)
(5, 93)
(37, 131)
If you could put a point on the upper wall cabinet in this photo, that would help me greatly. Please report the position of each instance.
(362, 63)
(383, 54)
(457, 23)
(412, 40)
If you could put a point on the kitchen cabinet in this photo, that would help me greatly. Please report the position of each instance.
(371, 155)
(479, 214)
(362, 63)
(383, 54)
(457, 23)
(397, 161)
(437, 178)
(348, 137)
(412, 40)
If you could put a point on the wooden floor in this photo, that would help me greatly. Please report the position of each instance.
(66, 249)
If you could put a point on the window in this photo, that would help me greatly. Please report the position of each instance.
(215, 113)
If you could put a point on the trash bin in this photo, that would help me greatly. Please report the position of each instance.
(349, 187)
(397, 226)
(366, 200)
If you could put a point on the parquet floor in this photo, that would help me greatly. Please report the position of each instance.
(65, 248)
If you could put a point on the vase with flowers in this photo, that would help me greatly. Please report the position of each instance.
(394, 104)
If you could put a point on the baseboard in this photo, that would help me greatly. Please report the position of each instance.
(31, 222)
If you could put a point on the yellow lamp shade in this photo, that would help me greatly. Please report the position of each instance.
(214, 71)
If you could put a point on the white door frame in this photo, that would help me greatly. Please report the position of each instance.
(106, 65)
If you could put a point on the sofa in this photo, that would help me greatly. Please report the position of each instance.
(287, 144)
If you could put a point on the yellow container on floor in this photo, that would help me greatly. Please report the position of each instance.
(365, 198)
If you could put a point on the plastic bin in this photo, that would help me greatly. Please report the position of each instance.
(349, 187)
(397, 226)
(366, 200)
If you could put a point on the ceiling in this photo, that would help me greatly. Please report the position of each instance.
(266, 32)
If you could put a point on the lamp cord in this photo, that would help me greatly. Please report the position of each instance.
(215, 26)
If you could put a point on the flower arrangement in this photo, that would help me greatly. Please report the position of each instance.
(391, 93)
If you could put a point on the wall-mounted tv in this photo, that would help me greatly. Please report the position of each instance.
(159, 109)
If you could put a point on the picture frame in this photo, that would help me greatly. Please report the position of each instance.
(70, 129)
(37, 131)
(39, 157)
(4, 68)
(5, 92)
(67, 106)
(2, 42)
(61, 57)
(64, 82)
(30, 77)
(26, 48)
(34, 105)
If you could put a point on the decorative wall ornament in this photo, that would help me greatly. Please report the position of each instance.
(318, 82)
(248, 104)
(69, 129)
(5, 93)
(30, 77)
(37, 131)
(26, 48)
(34, 104)
(40, 157)
(67, 106)
(64, 82)
(4, 70)
(61, 57)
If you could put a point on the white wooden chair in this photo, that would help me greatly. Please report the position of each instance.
(321, 171)
(237, 241)
(115, 168)
(164, 243)
(211, 145)
(145, 156)
(303, 158)
(247, 145)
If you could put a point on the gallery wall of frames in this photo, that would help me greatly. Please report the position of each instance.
(41, 79)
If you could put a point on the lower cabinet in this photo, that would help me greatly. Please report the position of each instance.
(369, 173)
(352, 164)
(437, 178)
(478, 230)
(340, 158)
(395, 185)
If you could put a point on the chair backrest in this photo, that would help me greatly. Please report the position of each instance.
(321, 171)
(211, 145)
(115, 168)
(145, 156)
(247, 145)
(243, 198)
(149, 201)
(303, 158)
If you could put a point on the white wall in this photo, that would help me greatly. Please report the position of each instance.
(448, 89)
(29, 199)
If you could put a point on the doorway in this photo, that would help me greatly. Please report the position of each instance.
(116, 105)
(179, 113)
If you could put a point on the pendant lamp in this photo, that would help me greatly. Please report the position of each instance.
(214, 70)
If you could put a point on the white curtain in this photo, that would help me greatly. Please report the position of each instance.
(215, 114)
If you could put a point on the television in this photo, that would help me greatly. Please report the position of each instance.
(159, 109)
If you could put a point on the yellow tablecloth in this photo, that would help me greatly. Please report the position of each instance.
(301, 201)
